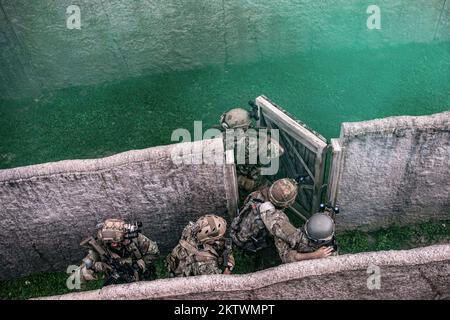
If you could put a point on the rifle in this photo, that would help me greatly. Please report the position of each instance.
(120, 273)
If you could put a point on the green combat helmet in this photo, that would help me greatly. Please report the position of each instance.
(236, 118)
(320, 228)
(283, 192)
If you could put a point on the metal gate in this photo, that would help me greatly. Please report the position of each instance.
(304, 156)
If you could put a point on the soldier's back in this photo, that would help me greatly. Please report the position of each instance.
(247, 229)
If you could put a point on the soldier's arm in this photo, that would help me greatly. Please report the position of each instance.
(294, 255)
(90, 266)
(149, 249)
(290, 254)
(283, 229)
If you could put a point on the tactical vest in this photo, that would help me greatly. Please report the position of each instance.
(186, 253)
(125, 256)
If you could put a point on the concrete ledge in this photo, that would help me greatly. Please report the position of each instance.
(438, 122)
(392, 171)
(422, 273)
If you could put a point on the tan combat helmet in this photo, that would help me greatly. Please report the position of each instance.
(320, 228)
(283, 192)
(210, 228)
(112, 230)
(237, 118)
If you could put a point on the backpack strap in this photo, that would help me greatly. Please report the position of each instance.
(238, 219)
(200, 256)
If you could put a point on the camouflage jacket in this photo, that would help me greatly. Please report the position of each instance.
(246, 149)
(140, 248)
(192, 258)
(288, 239)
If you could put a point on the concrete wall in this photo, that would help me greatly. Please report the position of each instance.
(46, 210)
(422, 273)
(120, 38)
(392, 171)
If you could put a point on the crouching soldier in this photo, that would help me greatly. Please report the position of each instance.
(315, 240)
(121, 252)
(262, 218)
(202, 249)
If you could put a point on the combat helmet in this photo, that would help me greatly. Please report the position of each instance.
(320, 228)
(112, 230)
(237, 118)
(210, 228)
(283, 192)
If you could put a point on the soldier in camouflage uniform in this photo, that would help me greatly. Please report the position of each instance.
(262, 217)
(315, 240)
(249, 164)
(202, 249)
(248, 230)
(120, 251)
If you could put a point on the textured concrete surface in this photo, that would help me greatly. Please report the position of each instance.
(120, 38)
(46, 210)
(394, 170)
(422, 273)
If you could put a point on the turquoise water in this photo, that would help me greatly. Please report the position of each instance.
(323, 88)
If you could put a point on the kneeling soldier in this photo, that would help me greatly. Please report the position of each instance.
(120, 251)
(203, 249)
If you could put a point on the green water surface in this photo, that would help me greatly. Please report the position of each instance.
(323, 88)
